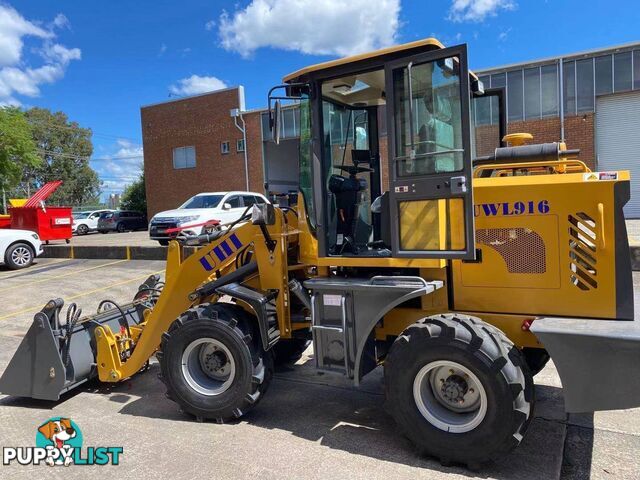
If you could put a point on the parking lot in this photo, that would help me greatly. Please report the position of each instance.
(308, 426)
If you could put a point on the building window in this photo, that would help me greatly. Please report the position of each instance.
(184, 157)
(604, 72)
(569, 71)
(532, 93)
(514, 95)
(240, 145)
(482, 105)
(549, 90)
(622, 72)
(584, 85)
(224, 147)
(636, 69)
(497, 81)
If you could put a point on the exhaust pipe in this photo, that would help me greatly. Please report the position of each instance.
(54, 358)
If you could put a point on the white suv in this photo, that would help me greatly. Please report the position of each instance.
(193, 214)
(85, 222)
(18, 248)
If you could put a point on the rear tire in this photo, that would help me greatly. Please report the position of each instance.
(455, 373)
(120, 228)
(212, 363)
(19, 255)
(163, 243)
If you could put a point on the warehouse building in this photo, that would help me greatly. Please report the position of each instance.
(591, 100)
(597, 110)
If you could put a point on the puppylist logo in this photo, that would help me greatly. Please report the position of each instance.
(59, 442)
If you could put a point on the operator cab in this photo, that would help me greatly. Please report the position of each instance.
(385, 152)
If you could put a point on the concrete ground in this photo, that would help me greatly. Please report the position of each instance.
(633, 232)
(308, 426)
(131, 239)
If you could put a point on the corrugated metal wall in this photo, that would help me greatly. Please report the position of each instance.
(618, 140)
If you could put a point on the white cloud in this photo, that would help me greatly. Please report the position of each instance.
(210, 25)
(120, 168)
(17, 76)
(502, 36)
(477, 10)
(163, 49)
(319, 27)
(61, 21)
(196, 84)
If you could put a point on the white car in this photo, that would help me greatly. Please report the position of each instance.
(18, 248)
(85, 222)
(193, 214)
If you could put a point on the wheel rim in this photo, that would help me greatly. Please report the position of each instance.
(450, 396)
(82, 229)
(21, 256)
(208, 366)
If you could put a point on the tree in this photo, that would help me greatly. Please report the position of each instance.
(135, 196)
(17, 148)
(65, 148)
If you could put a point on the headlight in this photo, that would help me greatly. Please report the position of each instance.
(192, 218)
(35, 235)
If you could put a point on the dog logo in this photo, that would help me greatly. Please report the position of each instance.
(59, 442)
(60, 436)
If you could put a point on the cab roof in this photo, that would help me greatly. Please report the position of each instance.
(427, 42)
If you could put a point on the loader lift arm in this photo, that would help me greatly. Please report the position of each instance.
(184, 277)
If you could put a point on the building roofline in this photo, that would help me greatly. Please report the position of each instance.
(557, 57)
(189, 97)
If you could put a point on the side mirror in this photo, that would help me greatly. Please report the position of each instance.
(263, 214)
(275, 122)
(226, 206)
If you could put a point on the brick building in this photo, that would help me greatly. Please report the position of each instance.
(192, 145)
(591, 100)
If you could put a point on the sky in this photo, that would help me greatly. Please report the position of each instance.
(100, 61)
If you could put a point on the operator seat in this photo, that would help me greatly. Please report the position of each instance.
(352, 232)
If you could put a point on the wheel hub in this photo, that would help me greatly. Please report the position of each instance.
(21, 256)
(454, 388)
(450, 396)
(208, 366)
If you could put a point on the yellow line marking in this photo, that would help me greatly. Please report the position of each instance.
(72, 253)
(39, 307)
(28, 284)
(128, 253)
(36, 268)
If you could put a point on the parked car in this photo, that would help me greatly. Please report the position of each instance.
(194, 214)
(18, 248)
(122, 221)
(85, 222)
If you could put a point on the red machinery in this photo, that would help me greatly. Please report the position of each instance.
(50, 223)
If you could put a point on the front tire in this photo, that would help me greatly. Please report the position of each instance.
(82, 229)
(18, 255)
(213, 364)
(459, 389)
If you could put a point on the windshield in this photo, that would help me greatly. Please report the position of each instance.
(79, 216)
(202, 201)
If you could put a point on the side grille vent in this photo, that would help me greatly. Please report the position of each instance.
(522, 249)
(582, 251)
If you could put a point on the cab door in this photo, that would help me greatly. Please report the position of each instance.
(430, 191)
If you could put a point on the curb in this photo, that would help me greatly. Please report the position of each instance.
(160, 253)
(635, 258)
(109, 252)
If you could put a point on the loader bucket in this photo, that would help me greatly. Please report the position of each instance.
(55, 357)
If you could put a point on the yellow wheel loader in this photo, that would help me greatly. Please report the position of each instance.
(420, 242)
